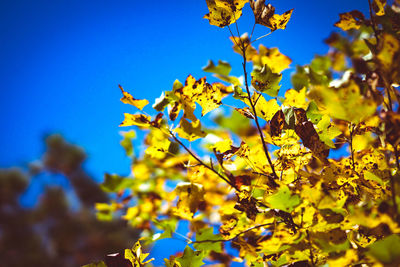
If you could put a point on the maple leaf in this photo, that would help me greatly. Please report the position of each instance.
(136, 120)
(191, 258)
(350, 20)
(265, 15)
(224, 12)
(129, 99)
(265, 81)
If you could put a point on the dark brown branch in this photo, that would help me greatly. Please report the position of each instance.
(311, 252)
(201, 162)
(236, 236)
(253, 107)
(373, 22)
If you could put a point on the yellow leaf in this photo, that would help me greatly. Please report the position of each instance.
(210, 98)
(379, 7)
(190, 196)
(350, 20)
(387, 56)
(190, 130)
(265, 109)
(279, 21)
(345, 103)
(271, 57)
(136, 119)
(159, 144)
(224, 12)
(222, 146)
(296, 99)
(265, 15)
(129, 99)
(239, 42)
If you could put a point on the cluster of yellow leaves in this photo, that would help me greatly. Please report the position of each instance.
(271, 186)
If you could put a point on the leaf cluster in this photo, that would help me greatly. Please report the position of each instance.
(264, 177)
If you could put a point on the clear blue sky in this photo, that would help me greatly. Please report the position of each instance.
(61, 62)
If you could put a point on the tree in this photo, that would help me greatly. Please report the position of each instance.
(56, 232)
(262, 178)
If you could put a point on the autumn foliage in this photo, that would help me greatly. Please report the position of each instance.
(263, 178)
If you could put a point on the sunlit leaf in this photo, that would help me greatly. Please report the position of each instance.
(190, 196)
(191, 258)
(283, 200)
(223, 67)
(379, 7)
(136, 120)
(350, 20)
(224, 12)
(265, 81)
(271, 57)
(204, 235)
(190, 130)
(129, 99)
(265, 15)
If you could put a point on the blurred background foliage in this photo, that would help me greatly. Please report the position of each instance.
(56, 231)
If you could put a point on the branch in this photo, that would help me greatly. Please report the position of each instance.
(201, 162)
(236, 236)
(253, 107)
(373, 21)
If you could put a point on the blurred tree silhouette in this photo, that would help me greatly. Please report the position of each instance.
(52, 233)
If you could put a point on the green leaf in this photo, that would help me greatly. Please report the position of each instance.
(191, 258)
(207, 234)
(313, 113)
(266, 81)
(320, 64)
(300, 78)
(113, 183)
(283, 200)
(223, 67)
(126, 143)
(290, 117)
(169, 227)
(386, 250)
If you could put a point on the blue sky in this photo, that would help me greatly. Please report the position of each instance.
(61, 63)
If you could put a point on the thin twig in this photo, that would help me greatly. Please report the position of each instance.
(252, 31)
(201, 162)
(234, 38)
(265, 35)
(239, 234)
(311, 252)
(373, 21)
(351, 129)
(255, 115)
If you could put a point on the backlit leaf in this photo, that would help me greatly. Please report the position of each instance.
(265, 15)
(224, 12)
(190, 130)
(283, 200)
(350, 20)
(136, 120)
(129, 99)
(204, 235)
(265, 81)
(191, 258)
